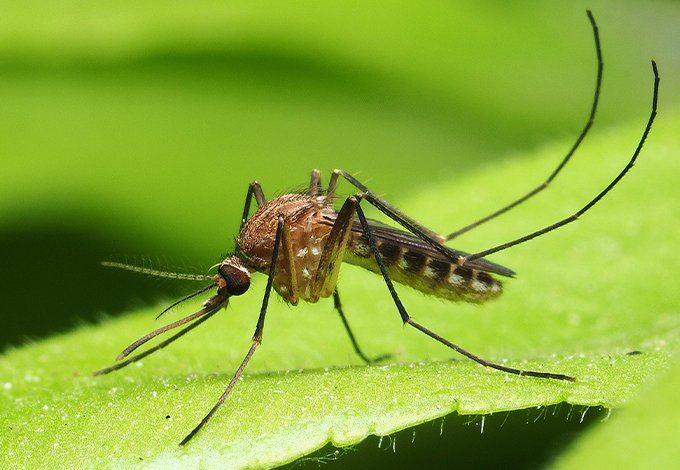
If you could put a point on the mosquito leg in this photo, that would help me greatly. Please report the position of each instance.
(415, 228)
(563, 162)
(333, 184)
(289, 265)
(257, 337)
(407, 319)
(357, 349)
(425, 234)
(160, 345)
(326, 278)
(327, 271)
(391, 211)
(315, 183)
(254, 189)
(597, 198)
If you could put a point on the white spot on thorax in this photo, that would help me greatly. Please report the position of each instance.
(302, 252)
(315, 250)
(429, 272)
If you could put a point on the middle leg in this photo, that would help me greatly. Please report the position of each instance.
(338, 306)
(326, 276)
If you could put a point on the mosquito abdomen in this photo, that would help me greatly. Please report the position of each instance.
(423, 271)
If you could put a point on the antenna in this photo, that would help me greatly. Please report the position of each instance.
(156, 272)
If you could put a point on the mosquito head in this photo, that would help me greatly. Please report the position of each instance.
(234, 278)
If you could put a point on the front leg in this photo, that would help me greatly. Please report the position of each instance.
(315, 183)
(257, 336)
(254, 189)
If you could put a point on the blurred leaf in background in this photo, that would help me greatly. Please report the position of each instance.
(132, 129)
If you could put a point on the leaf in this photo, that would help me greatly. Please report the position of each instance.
(640, 436)
(585, 297)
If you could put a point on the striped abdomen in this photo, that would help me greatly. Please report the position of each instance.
(425, 270)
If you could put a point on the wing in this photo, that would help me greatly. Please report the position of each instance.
(388, 233)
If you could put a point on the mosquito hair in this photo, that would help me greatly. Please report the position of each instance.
(156, 272)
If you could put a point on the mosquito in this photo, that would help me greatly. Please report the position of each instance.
(299, 240)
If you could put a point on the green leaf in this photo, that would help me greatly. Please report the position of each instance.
(640, 436)
(585, 297)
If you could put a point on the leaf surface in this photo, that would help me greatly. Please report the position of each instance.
(585, 298)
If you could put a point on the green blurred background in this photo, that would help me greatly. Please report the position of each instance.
(131, 129)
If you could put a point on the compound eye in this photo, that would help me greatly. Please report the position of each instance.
(237, 279)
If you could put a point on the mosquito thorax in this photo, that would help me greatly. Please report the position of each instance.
(233, 277)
